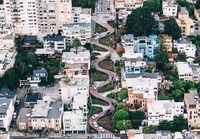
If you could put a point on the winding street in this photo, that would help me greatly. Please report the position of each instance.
(112, 75)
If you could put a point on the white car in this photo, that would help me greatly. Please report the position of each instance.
(95, 116)
(95, 124)
(100, 129)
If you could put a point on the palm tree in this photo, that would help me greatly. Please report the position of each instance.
(76, 44)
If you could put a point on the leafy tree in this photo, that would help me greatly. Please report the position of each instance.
(122, 106)
(177, 125)
(136, 118)
(31, 58)
(189, 85)
(76, 43)
(152, 5)
(141, 22)
(123, 94)
(123, 125)
(120, 115)
(172, 28)
(163, 97)
(177, 95)
(166, 125)
(150, 129)
(197, 4)
(88, 47)
(182, 57)
(10, 79)
(161, 58)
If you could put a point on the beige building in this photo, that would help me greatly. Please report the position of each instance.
(197, 14)
(128, 4)
(166, 41)
(192, 103)
(185, 22)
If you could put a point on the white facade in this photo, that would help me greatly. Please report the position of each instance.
(6, 112)
(81, 15)
(160, 110)
(33, 16)
(52, 14)
(169, 8)
(55, 42)
(146, 82)
(81, 57)
(7, 53)
(141, 44)
(184, 71)
(82, 31)
(185, 46)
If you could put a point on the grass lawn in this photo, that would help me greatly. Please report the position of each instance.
(106, 88)
(99, 28)
(99, 76)
(106, 123)
(112, 23)
(98, 101)
(97, 48)
(107, 64)
(107, 40)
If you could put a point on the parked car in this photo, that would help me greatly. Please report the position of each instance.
(107, 111)
(95, 124)
(95, 116)
(100, 129)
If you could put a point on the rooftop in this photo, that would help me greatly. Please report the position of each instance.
(24, 115)
(76, 25)
(191, 98)
(183, 68)
(82, 82)
(44, 51)
(40, 109)
(54, 37)
(33, 97)
(55, 110)
(30, 39)
(143, 75)
(4, 104)
(5, 92)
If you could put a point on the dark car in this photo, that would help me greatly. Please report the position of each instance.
(107, 111)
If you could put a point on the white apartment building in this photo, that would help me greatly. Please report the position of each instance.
(22, 15)
(141, 44)
(55, 42)
(192, 104)
(160, 110)
(185, 46)
(82, 31)
(164, 110)
(147, 82)
(33, 16)
(6, 113)
(75, 117)
(2, 15)
(81, 15)
(169, 8)
(128, 4)
(81, 57)
(184, 71)
(52, 14)
(134, 63)
(7, 53)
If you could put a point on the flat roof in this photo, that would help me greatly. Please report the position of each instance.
(24, 115)
(4, 104)
(54, 111)
(183, 68)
